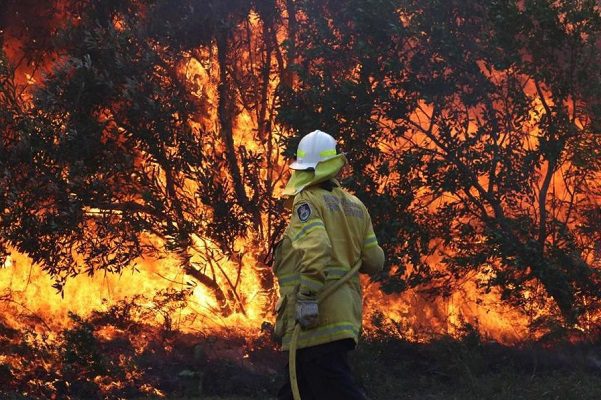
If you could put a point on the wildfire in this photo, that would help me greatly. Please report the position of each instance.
(26, 290)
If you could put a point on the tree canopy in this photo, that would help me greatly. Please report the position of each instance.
(472, 130)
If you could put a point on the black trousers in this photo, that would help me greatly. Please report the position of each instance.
(323, 373)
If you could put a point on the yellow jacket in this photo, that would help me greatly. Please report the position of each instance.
(329, 231)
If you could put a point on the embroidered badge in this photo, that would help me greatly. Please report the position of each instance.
(304, 212)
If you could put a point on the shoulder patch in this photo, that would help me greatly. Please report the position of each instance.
(303, 211)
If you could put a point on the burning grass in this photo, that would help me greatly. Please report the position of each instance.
(114, 354)
(117, 354)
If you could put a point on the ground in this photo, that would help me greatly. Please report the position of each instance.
(84, 363)
(501, 386)
(471, 369)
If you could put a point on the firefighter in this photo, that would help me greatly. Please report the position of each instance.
(329, 231)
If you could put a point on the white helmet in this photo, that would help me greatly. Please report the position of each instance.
(313, 148)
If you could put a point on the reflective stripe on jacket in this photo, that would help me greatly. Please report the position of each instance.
(329, 231)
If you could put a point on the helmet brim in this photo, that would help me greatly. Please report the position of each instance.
(299, 166)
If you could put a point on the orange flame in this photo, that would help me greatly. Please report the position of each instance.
(412, 314)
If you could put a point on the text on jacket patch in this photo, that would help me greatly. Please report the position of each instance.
(350, 208)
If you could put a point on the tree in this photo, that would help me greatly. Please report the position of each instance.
(472, 130)
(122, 153)
(477, 124)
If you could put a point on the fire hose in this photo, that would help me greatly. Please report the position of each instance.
(327, 290)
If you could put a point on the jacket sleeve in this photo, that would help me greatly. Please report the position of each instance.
(310, 238)
(372, 255)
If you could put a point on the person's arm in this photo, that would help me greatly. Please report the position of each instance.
(372, 255)
(311, 239)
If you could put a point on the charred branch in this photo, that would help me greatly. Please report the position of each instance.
(224, 308)
(227, 110)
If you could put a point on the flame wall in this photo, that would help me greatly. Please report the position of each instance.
(26, 292)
